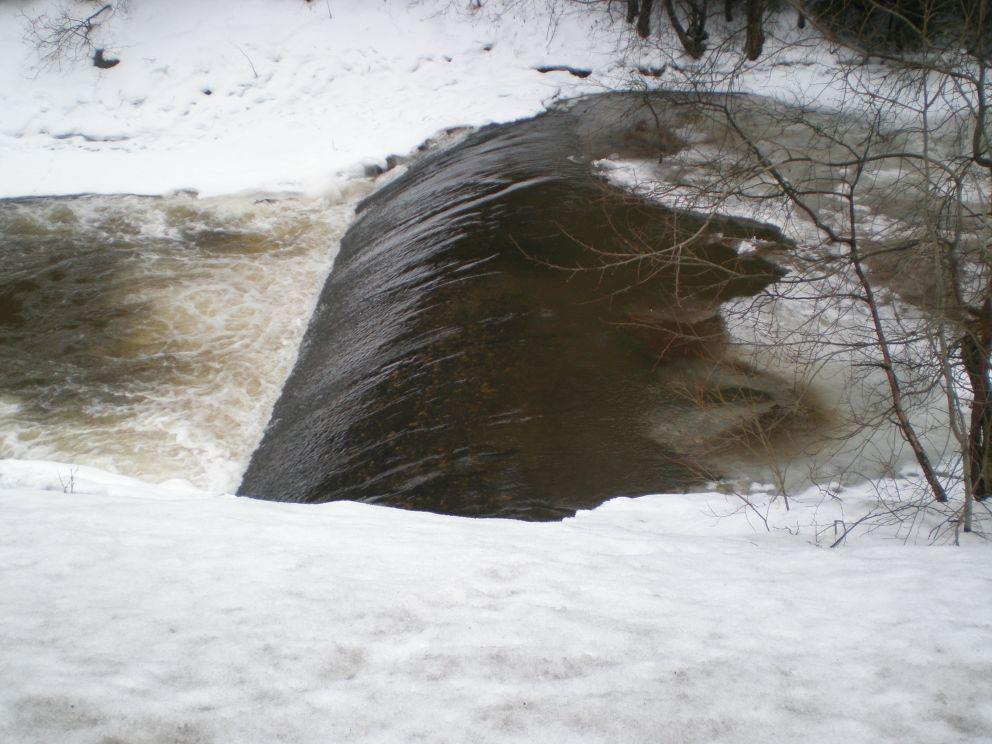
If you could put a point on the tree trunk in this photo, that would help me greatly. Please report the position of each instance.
(975, 348)
(755, 32)
(644, 19)
(690, 42)
(632, 10)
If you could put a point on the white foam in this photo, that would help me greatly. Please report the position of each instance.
(217, 293)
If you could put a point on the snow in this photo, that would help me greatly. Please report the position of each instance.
(137, 613)
(141, 614)
(292, 96)
(301, 94)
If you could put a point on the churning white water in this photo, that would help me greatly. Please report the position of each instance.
(151, 336)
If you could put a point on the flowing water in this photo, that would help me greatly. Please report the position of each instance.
(150, 336)
(503, 334)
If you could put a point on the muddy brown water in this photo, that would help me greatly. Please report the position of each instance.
(504, 335)
(150, 335)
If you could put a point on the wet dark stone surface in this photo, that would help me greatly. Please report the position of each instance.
(495, 333)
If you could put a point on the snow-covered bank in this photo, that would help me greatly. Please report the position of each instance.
(272, 95)
(293, 96)
(151, 615)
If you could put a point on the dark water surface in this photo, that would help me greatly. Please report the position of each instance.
(503, 334)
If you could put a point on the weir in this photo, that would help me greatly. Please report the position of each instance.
(504, 334)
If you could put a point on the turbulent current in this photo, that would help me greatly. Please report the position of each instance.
(150, 336)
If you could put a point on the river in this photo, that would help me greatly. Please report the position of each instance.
(502, 334)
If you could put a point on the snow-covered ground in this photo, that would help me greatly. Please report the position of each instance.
(141, 613)
(273, 95)
(286, 95)
(137, 614)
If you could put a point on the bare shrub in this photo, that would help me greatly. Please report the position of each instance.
(67, 32)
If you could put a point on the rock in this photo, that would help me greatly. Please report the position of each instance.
(104, 62)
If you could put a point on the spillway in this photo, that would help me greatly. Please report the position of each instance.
(504, 334)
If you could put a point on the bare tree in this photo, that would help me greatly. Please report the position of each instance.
(690, 20)
(890, 202)
(67, 32)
